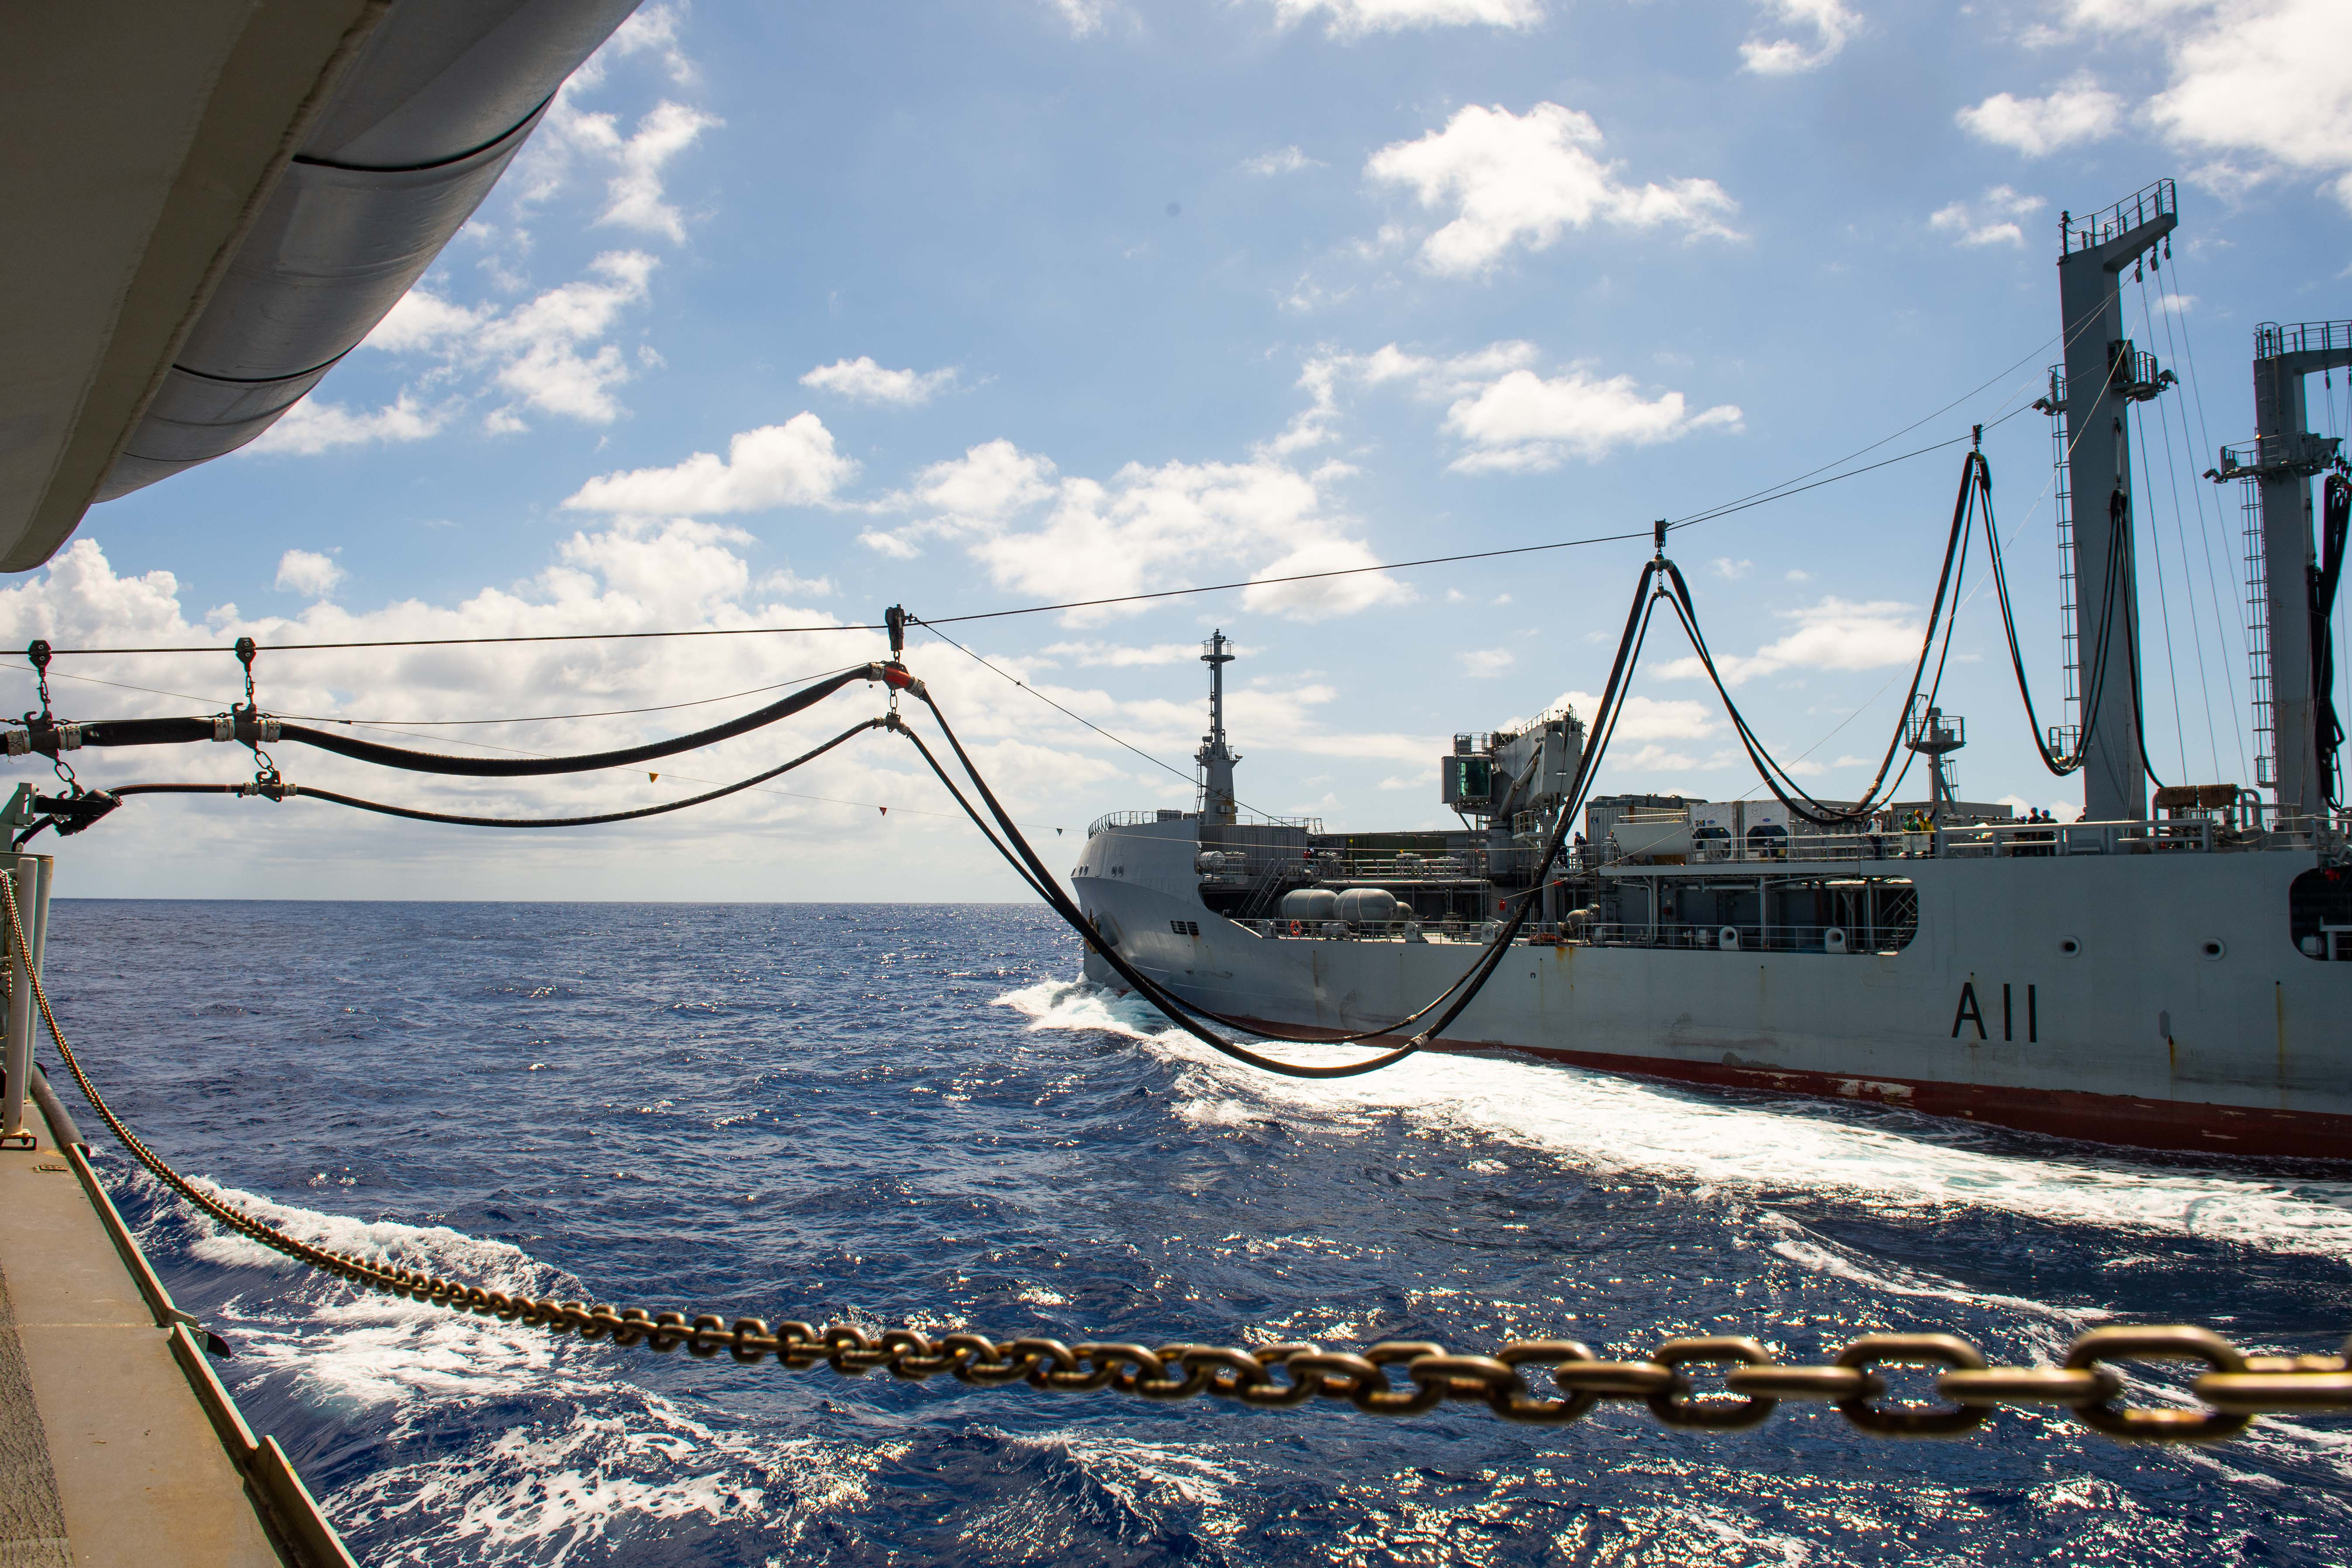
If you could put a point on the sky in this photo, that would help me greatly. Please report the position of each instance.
(790, 312)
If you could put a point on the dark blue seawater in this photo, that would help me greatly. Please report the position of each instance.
(893, 1114)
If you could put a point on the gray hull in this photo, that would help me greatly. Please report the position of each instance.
(2154, 999)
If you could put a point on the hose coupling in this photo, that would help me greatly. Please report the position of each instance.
(246, 726)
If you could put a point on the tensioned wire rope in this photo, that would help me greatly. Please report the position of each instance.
(1013, 845)
(1776, 493)
(2177, 311)
(151, 731)
(1456, 998)
(2163, 594)
(1781, 491)
(2180, 534)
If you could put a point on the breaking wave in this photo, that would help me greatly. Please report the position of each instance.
(1602, 1123)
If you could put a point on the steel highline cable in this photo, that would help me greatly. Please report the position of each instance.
(1776, 777)
(1660, 578)
(74, 813)
(1187, 1015)
(1757, 498)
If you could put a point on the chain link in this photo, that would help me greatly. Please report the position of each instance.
(2235, 1389)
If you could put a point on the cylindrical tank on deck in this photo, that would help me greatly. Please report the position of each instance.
(1310, 904)
(1366, 906)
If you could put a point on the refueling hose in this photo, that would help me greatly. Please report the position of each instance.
(2327, 728)
(56, 808)
(245, 725)
(1188, 1015)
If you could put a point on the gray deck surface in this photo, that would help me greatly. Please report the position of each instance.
(106, 1457)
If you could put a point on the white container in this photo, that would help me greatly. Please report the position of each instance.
(1642, 836)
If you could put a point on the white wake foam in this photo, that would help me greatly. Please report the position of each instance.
(1600, 1122)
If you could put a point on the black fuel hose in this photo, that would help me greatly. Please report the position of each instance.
(46, 738)
(282, 790)
(1194, 1018)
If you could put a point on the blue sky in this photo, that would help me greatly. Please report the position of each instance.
(790, 312)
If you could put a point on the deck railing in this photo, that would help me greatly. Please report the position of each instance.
(1818, 939)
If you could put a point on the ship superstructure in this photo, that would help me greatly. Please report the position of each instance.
(2181, 979)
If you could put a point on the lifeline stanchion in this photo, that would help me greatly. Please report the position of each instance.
(1282, 1377)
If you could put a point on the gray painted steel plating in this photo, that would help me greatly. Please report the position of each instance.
(441, 98)
(2116, 957)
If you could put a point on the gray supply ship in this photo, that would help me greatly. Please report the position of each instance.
(2175, 980)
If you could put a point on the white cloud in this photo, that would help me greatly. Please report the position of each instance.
(1084, 17)
(307, 572)
(548, 353)
(629, 576)
(1796, 575)
(1836, 634)
(1282, 161)
(1431, 378)
(653, 29)
(1146, 527)
(540, 342)
(1320, 598)
(423, 320)
(635, 192)
(1354, 19)
(1524, 180)
(571, 136)
(864, 381)
(1485, 663)
(540, 349)
(1121, 655)
(1526, 423)
(1651, 718)
(1731, 571)
(791, 464)
(1829, 21)
(2258, 84)
(989, 483)
(2265, 77)
(1509, 417)
(2076, 112)
(311, 426)
(1991, 219)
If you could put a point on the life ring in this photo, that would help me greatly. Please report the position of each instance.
(1296, 929)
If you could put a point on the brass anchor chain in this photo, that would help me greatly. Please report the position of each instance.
(2234, 1389)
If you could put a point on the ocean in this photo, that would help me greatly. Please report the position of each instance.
(886, 1114)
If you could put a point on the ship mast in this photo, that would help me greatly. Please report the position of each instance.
(2105, 374)
(2285, 459)
(1216, 759)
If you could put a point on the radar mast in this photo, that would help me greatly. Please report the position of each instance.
(1216, 758)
